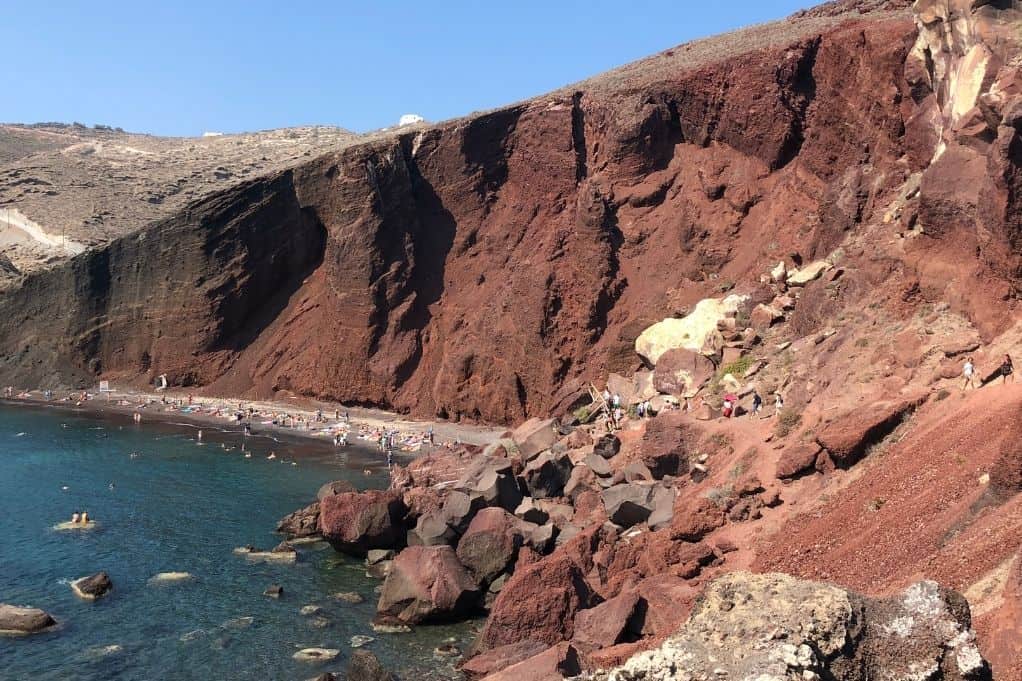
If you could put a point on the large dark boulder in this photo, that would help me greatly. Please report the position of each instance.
(607, 446)
(92, 587)
(491, 544)
(666, 443)
(534, 436)
(849, 436)
(633, 503)
(492, 480)
(547, 474)
(354, 523)
(428, 584)
(539, 603)
(617, 620)
(459, 509)
(20, 620)
(432, 529)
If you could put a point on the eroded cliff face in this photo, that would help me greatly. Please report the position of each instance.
(487, 268)
(964, 136)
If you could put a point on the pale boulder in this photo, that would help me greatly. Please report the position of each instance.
(810, 272)
(697, 331)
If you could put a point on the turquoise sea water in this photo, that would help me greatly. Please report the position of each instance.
(178, 506)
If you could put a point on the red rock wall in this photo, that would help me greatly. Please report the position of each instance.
(487, 268)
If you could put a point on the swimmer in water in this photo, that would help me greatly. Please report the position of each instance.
(272, 456)
(85, 517)
(75, 517)
(111, 486)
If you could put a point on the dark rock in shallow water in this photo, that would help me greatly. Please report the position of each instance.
(302, 523)
(274, 591)
(92, 587)
(334, 488)
(355, 523)
(365, 666)
(325, 676)
(19, 620)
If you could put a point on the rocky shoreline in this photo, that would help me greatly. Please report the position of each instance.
(580, 560)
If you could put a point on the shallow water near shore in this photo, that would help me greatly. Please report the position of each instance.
(179, 506)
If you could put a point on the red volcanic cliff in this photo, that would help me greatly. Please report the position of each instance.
(486, 267)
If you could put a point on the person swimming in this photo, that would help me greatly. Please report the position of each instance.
(85, 517)
(75, 517)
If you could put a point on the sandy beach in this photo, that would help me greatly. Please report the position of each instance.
(295, 417)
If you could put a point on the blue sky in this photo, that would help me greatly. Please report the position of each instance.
(184, 67)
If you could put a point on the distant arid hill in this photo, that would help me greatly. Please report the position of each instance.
(64, 187)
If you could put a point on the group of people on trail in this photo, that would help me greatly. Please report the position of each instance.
(1006, 371)
(730, 406)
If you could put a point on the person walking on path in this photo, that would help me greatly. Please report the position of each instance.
(1007, 369)
(969, 374)
(778, 403)
(757, 403)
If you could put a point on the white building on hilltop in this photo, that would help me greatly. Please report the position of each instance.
(410, 119)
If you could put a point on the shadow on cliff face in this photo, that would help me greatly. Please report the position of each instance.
(270, 254)
(437, 228)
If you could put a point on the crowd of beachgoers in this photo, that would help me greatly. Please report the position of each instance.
(336, 426)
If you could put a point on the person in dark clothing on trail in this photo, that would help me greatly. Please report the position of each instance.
(757, 402)
(1007, 369)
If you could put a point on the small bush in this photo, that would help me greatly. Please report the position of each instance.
(581, 414)
(721, 496)
(787, 421)
(738, 367)
(862, 343)
(942, 394)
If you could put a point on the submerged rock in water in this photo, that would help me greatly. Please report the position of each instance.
(274, 591)
(316, 654)
(365, 666)
(92, 587)
(171, 577)
(302, 523)
(104, 651)
(239, 622)
(349, 597)
(385, 624)
(359, 640)
(21, 620)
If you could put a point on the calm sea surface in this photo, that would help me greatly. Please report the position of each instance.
(178, 506)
